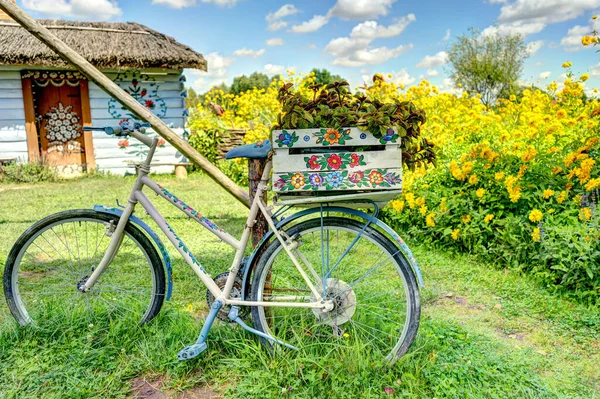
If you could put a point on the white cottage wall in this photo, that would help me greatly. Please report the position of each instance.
(13, 139)
(166, 90)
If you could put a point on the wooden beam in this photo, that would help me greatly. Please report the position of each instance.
(33, 145)
(86, 119)
(119, 94)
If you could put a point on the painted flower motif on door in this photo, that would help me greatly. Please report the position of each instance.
(62, 124)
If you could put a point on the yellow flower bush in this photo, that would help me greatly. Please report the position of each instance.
(531, 163)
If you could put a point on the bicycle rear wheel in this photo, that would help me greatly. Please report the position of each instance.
(56, 254)
(374, 291)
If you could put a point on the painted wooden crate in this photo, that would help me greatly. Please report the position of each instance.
(329, 161)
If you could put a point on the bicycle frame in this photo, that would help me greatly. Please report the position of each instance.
(258, 205)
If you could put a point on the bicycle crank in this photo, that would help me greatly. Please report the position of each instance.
(236, 293)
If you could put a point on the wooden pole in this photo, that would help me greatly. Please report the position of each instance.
(119, 94)
(255, 172)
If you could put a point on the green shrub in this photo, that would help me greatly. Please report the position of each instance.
(32, 172)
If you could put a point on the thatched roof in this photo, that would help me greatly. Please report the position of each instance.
(104, 44)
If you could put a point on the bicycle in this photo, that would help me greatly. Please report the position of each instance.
(325, 274)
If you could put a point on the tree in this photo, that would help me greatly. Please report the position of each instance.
(487, 64)
(324, 77)
(192, 99)
(243, 83)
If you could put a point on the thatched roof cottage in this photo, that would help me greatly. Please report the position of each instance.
(44, 102)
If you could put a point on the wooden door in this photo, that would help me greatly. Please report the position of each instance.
(59, 123)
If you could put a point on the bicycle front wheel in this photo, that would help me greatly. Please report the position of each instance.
(373, 289)
(57, 254)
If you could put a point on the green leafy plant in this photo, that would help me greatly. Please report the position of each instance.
(334, 106)
(35, 171)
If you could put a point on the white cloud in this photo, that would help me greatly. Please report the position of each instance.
(273, 69)
(572, 41)
(175, 3)
(546, 11)
(402, 77)
(447, 35)
(189, 3)
(275, 42)
(216, 74)
(274, 19)
(249, 52)
(361, 9)
(595, 71)
(345, 46)
(356, 51)
(515, 28)
(545, 75)
(312, 46)
(432, 61)
(372, 56)
(371, 30)
(431, 72)
(539, 63)
(532, 16)
(276, 25)
(81, 9)
(533, 47)
(312, 25)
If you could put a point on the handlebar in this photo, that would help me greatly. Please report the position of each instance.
(124, 129)
(135, 129)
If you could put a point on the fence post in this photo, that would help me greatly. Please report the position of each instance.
(255, 171)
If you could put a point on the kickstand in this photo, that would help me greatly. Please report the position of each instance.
(200, 346)
(234, 316)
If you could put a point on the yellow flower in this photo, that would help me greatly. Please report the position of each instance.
(592, 184)
(535, 236)
(529, 154)
(594, 17)
(410, 198)
(420, 201)
(548, 193)
(397, 205)
(466, 218)
(585, 214)
(512, 97)
(429, 220)
(473, 179)
(567, 64)
(480, 192)
(535, 215)
(586, 41)
(556, 170)
(423, 210)
(499, 176)
(455, 234)
(488, 218)
(584, 77)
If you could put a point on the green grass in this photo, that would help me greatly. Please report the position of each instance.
(485, 332)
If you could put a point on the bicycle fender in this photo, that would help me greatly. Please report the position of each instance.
(396, 238)
(140, 223)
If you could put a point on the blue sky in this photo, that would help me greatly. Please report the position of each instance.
(353, 38)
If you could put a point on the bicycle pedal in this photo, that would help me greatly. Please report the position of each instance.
(191, 351)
